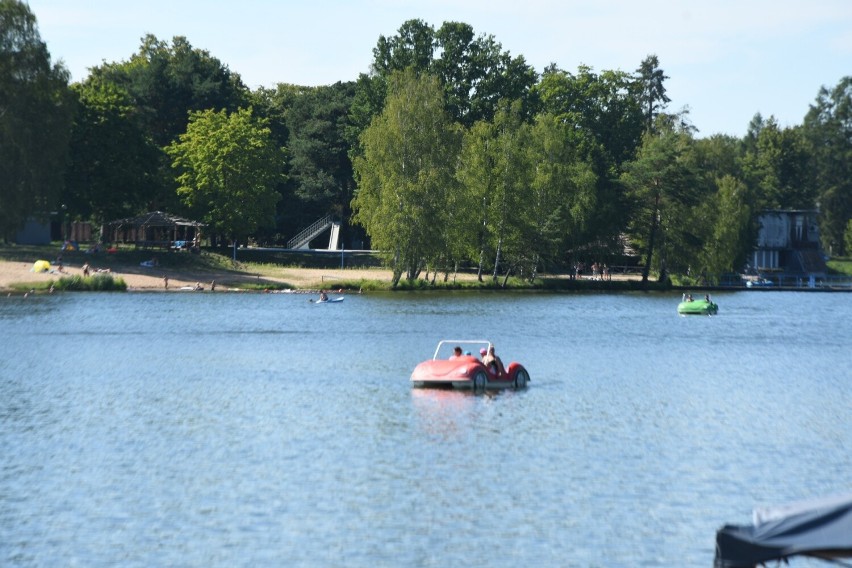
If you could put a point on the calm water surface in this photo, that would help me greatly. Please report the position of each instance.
(197, 429)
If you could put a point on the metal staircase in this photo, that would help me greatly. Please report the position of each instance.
(303, 239)
(811, 261)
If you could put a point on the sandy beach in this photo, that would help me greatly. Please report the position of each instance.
(142, 278)
(152, 278)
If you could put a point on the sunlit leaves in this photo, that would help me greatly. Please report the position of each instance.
(228, 167)
(404, 174)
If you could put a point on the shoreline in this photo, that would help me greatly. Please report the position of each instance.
(16, 275)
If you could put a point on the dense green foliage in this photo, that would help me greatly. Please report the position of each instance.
(75, 283)
(475, 72)
(661, 184)
(95, 283)
(35, 115)
(113, 164)
(166, 83)
(405, 175)
(313, 124)
(847, 239)
(451, 152)
(227, 170)
(828, 128)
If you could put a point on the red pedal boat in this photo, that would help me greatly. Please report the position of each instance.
(466, 371)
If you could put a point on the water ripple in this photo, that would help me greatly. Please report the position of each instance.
(220, 430)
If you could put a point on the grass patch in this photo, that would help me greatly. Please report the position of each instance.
(24, 287)
(840, 265)
(363, 285)
(96, 283)
(263, 286)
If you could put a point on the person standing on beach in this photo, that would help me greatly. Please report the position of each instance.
(165, 282)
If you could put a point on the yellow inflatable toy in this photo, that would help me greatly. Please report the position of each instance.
(41, 266)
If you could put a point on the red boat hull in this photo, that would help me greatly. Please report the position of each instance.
(467, 372)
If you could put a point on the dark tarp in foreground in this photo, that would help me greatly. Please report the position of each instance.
(821, 529)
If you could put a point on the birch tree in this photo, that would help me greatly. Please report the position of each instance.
(405, 173)
(732, 237)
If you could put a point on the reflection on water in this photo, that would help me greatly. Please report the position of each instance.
(447, 414)
(246, 429)
(442, 413)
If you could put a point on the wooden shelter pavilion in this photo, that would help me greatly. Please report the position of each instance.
(156, 229)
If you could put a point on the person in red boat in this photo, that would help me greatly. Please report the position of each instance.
(457, 352)
(493, 362)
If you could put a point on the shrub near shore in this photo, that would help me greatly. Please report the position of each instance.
(96, 283)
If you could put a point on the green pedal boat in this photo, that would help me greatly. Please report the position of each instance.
(700, 307)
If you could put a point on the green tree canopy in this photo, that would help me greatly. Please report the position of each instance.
(474, 71)
(776, 165)
(36, 108)
(661, 182)
(563, 196)
(477, 174)
(404, 174)
(828, 127)
(313, 122)
(847, 237)
(496, 172)
(321, 168)
(602, 106)
(606, 121)
(112, 161)
(719, 155)
(733, 233)
(651, 89)
(228, 167)
(167, 82)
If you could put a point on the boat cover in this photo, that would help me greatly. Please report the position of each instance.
(821, 529)
(701, 307)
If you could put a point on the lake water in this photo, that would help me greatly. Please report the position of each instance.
(249, 429)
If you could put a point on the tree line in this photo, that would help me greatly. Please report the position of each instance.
(450, 152)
